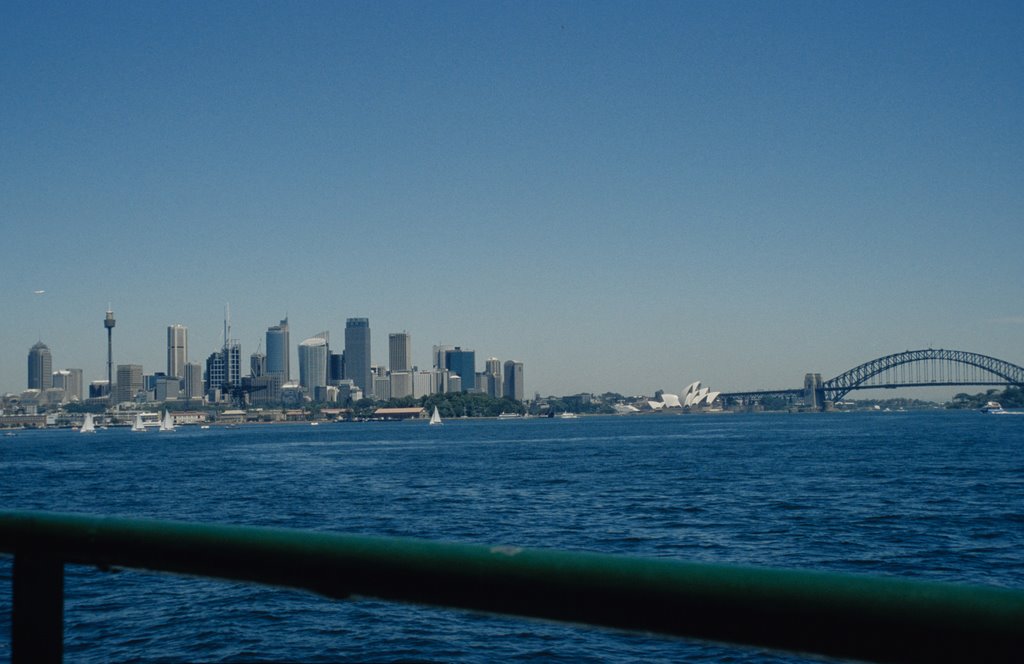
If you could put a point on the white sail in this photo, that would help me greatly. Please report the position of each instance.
(435, 417)
(138, 425)
(88, 426)
(167, 424)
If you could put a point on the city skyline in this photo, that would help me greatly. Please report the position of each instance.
(622, 197)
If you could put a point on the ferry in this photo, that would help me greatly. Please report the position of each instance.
(993, 408)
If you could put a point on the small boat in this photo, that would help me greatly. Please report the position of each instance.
(567, 416)
(167, 423)
(314, 423)
(509, 416)
(204, 426)
(435, 417)
(993, 408)
(88, 426)
(137, 425)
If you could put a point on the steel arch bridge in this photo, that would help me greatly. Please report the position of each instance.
(911, 368)
(925, 368)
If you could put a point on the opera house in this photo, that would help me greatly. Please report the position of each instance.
(694, 397)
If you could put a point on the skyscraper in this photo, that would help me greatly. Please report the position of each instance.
(492, 369)
(357, 353)
(400, 351)
(177, 350)
(279, 351)
(257, 365)
(40, 367)
(69, 380)
(313, 354)
(513, 388)
(193, 381)
(463, 363)
(129, 381)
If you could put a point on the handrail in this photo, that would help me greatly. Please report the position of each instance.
(836, 615)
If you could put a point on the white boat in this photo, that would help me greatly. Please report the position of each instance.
(137, 425)
(993, 408)
(509, 416)
(567, 416)
(87, 425)
(435, 417)
(167, 423)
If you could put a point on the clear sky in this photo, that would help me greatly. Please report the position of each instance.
(624, 196)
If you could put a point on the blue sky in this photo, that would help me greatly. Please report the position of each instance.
(624, 196)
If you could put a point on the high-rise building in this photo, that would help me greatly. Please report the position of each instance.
(216, 373)
(492, 370)
(463, 363)
(40, 367)
(257, 365)
(69, 380)
(357, 353)
(440, 354)
(513, 388)
(233, 360)
(313, 354)
(401, 384)
(336, 368)
(193, 381)
(279, 351)
(400, 351)
(129, 382)
(177, 350)
(381, 388)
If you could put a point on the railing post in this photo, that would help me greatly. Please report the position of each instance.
(37, 620)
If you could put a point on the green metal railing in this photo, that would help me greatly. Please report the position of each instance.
(846, 616)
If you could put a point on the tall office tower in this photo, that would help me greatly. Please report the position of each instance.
(257, 365)
(40, 367)
(335, 368)
(492, 369)
(513, 388)
(357, 353)
(216, 372)
(193, 381)
(440, 354)
(177, 350)
(129, 381)
(108, 323)
(279, 351)
(313, 363)
(400, 351)
(233, 362)
(463, 363)
(69, 380)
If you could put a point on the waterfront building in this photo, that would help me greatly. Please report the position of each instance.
(177, 350)
(279, 351)
(69, 380)
(192, 382)
(129, 382)
(462, 362)
(313, 363)
(265, 389)
(400, 351)
(513, 387)
(454, 383)
(40, 367)
(401, 384)
(357, 353)
(492, 370)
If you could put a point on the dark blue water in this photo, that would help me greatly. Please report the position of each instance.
(928, 495)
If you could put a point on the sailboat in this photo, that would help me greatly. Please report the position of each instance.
(138, 425)
(88, 426)
(435, 417)
(167, 424)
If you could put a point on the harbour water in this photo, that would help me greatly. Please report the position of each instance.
(933, 495)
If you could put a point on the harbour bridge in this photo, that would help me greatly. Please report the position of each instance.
(911, 368)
